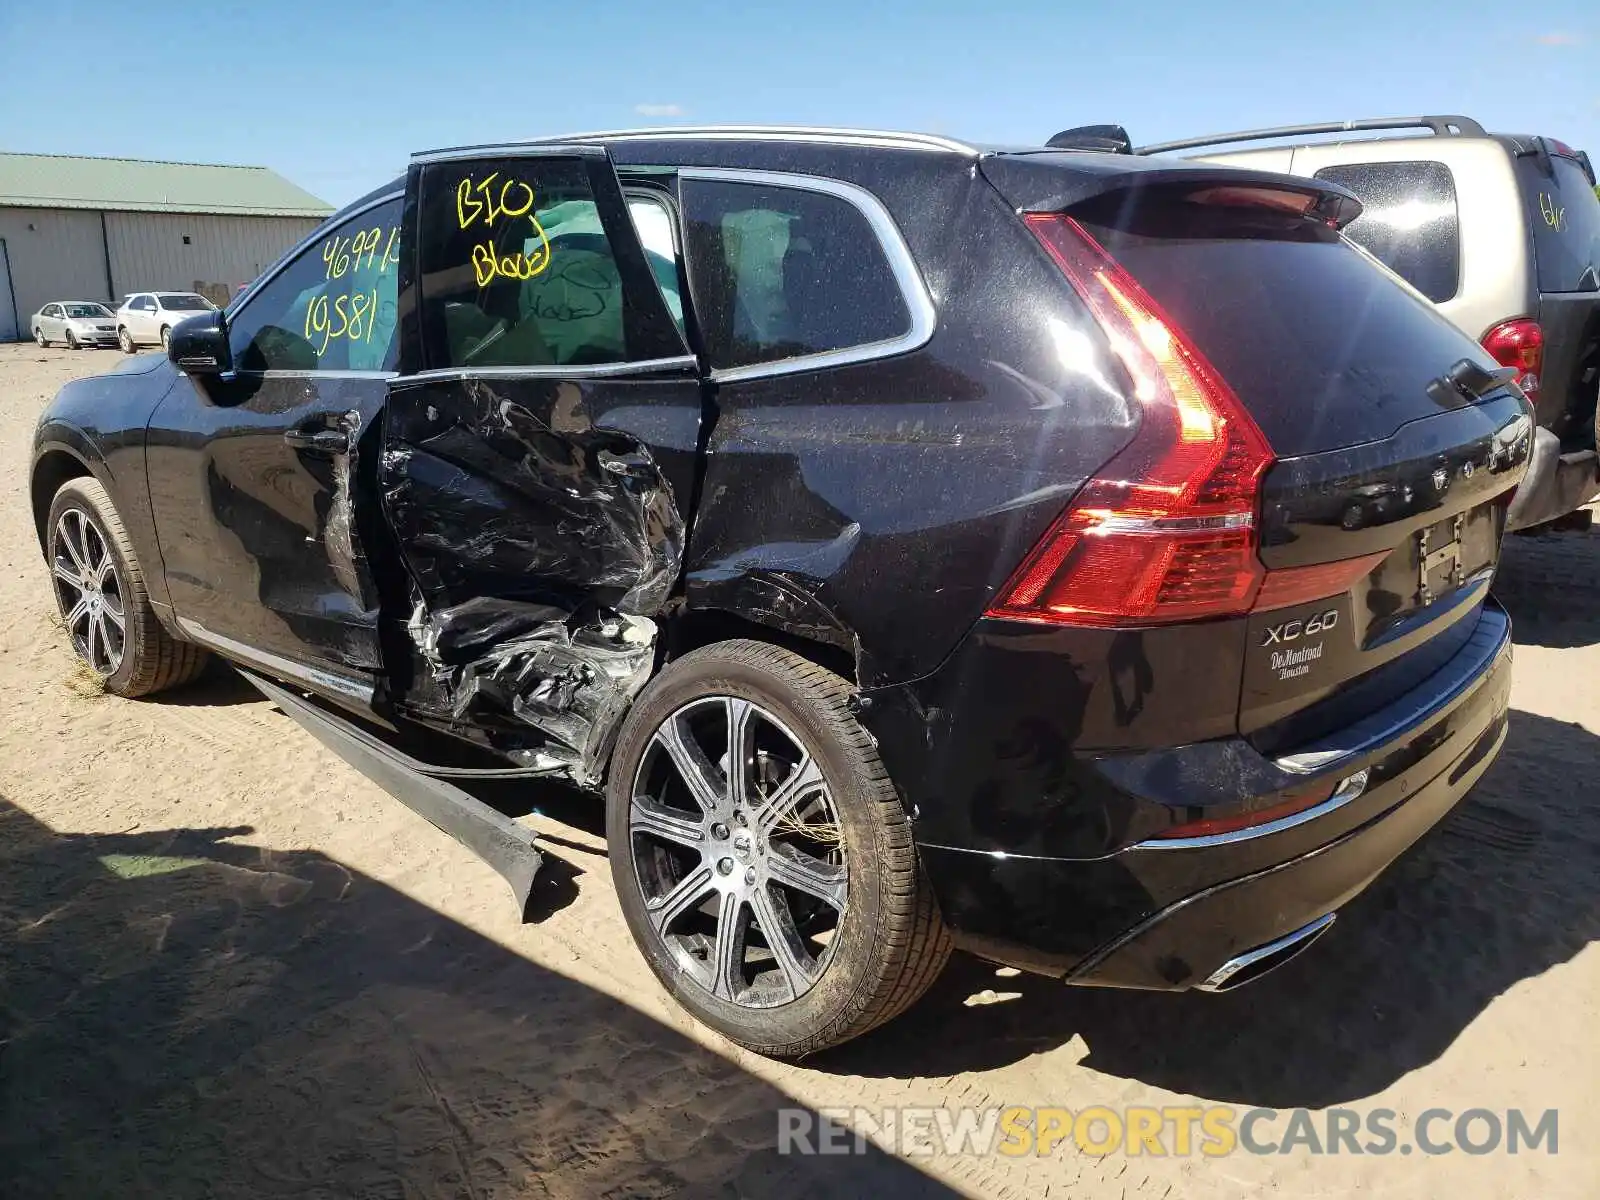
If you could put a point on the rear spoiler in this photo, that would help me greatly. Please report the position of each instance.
(1046, 182)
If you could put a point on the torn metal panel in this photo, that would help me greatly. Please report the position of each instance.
(542, 547)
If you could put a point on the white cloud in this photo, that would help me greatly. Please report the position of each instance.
(1559, 39)
(661, 110)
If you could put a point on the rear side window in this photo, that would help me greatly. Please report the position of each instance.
(517, 268)
(1409, 221)
(1564, 212)
(1323, 348)
(782, 272)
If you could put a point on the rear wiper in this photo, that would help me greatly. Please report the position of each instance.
(1468, 379)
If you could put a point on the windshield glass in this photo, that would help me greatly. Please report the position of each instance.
(87, 310)
(1565, 215)
(186, 303)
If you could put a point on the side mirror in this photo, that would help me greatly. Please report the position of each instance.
(198, 345)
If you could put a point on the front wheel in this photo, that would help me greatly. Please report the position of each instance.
(166, 332)
(101, 597)
(125, 339)
(38, 336)
(763, 859)
(72, 340)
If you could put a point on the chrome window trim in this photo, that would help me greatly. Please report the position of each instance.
(919, 302)
(318, 679)
(238, 303)
(645, 366)
(283, 373)
(815, 134)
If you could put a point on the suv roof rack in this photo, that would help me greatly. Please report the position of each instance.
(803, 133)
(1441, 126)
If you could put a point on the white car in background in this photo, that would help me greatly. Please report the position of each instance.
(75, 322)
(146, 318)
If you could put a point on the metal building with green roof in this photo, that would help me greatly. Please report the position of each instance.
(76, 228)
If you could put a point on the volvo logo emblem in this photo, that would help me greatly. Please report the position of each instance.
(1440, 478)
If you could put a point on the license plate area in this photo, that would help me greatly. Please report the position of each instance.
(1441, 559)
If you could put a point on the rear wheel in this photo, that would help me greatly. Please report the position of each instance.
(125, 339)
(101, 596)
(763, 859)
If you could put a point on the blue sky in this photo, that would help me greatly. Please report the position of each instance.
(335, 96)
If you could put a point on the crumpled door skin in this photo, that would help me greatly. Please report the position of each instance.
(542, 547)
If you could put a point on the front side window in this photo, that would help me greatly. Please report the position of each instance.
(1408, 221)
(780, 272)
(332, 308)
(52, 310)
(143, 304)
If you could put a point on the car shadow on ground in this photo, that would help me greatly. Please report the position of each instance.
(185, 1015)
(1550, 584)
(1501, 891)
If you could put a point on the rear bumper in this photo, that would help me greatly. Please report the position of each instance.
(1555, 484)
(1169, 916)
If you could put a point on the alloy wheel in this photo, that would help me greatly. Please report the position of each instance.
(38, 336)
(125, 340)
(89, 591)
(738, 852)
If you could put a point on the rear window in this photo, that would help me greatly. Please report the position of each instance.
(1324, 346)
(1565, 215)
(1409, 221)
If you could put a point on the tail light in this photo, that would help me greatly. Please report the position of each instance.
(1519, 344)
(1166, 531)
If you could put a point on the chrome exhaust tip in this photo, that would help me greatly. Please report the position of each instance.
(1253, 964)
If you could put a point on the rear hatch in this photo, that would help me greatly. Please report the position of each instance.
(1393, 447)
(1563, 212)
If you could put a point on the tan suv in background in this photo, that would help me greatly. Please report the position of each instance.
(1502, 233)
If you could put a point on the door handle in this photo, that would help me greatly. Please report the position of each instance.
(321, 440)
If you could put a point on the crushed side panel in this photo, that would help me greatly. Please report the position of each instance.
(541, 546)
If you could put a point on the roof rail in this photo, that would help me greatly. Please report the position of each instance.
(805, 133)
(1442, 126)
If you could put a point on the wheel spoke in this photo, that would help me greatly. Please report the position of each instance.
(804, 780)
(670, 825)
(66, 574)
(803, 873)
(89, 642)
(788, 951)
(727, 959)
(741, 746)
(77, 612)
(105, 640)
(71, 544)
(685, 895)
(118, 617)
(697, 773)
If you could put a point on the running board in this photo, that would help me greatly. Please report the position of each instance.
(494, 837)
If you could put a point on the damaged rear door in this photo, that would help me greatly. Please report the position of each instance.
(539, 452)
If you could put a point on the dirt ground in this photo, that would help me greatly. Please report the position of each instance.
(230, 966)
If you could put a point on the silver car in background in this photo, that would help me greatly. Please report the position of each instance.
(146, 318)
(75, 322)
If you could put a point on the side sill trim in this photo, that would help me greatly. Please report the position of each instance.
(317, 679)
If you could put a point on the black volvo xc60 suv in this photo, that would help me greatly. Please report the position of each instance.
(1070, 556)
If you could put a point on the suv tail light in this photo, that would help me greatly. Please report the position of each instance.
(1519, 344)
(1166, 531)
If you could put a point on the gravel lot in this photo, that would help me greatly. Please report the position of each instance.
(231, 966)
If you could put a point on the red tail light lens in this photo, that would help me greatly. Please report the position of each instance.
(1519, 344)
(1166, 531)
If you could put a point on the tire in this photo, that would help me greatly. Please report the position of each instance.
(888, 944)
(148, 659)
(72, 340)
(38, 336)
(166, 332)
(125, 339)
